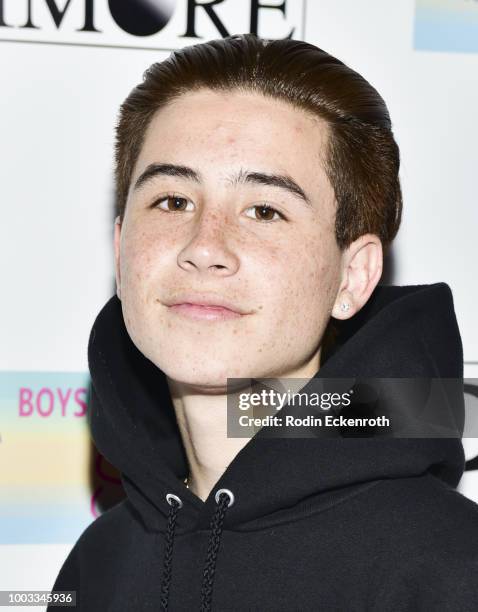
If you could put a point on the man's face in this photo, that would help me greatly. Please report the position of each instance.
(282, 267)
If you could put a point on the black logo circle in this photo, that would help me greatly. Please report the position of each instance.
(141, 17)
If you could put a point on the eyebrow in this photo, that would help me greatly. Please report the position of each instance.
(242, 177)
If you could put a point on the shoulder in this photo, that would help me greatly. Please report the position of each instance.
(112, 529)
(426, 524)
(91, 565)
(430, 561)
(429, 500)
(110, 519)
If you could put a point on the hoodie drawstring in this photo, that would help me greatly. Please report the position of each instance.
(224, 499)
(175, 503)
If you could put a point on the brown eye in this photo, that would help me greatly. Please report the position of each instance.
(172, 203)
(263, 212)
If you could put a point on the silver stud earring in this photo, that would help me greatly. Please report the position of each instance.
(345, 306)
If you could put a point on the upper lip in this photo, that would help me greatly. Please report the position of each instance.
(206, 299)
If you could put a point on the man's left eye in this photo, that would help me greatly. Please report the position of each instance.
(173, 203)
(266, 212)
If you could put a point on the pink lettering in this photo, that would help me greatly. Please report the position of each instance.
(47, 401)
(25, 400)
(41, 393)
(63, 400)
(80, 402)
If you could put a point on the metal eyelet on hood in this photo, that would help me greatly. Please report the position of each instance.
(171, 496)
(228, 492)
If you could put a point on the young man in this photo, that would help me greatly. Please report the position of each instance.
(258, 187)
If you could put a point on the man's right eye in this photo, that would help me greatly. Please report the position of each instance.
(172, 203)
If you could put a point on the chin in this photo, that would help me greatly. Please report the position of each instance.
(201, 382)
(204, 375)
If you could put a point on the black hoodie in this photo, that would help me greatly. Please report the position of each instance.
(342, 524)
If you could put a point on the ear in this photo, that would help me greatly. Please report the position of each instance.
(117, 236)
(362, 269)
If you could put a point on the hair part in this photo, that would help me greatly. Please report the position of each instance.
(361, 159)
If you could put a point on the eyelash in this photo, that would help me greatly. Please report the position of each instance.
(263, 206)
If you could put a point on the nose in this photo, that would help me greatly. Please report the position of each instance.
(207, 249)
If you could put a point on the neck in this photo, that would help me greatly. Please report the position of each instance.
(202, 422)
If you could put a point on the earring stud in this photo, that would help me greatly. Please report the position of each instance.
(345, 306)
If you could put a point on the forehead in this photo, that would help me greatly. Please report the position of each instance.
(219, 132)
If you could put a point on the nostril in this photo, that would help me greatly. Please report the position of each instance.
(228, 492)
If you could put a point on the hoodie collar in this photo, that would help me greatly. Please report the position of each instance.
(402, 332)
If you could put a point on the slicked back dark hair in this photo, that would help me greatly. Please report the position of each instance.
(362, 158)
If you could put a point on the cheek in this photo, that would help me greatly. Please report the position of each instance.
(308, 276)
(139, 255)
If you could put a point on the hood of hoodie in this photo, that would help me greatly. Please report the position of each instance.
(402, 332)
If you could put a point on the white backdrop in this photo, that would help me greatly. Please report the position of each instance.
(58, 107)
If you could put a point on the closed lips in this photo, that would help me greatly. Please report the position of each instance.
(207, 301)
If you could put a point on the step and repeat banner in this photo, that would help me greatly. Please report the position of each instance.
(66, 66)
